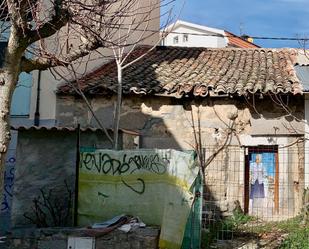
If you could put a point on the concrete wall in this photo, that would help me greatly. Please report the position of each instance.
(167, 123)
(9, 175)
(45, 160)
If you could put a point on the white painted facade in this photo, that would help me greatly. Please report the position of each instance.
(185, 34)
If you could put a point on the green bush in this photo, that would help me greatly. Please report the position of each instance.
(298, 239)
(224, 229)
(238, 218)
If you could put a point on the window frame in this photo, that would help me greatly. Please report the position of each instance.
(185, 38)
(176, 39)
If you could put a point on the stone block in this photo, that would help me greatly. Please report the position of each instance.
(149, 243)
(125, 245)
(135, 244)
(21, 244)
(104, 244)
(52, 244)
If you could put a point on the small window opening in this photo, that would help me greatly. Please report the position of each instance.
(185, 38)
(176, 40)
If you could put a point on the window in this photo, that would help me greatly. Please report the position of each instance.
(185, 38)
(176, 40)
(20, 105)
(21, 98)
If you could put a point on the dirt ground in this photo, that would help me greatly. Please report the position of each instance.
(267, 241)
(254, 235)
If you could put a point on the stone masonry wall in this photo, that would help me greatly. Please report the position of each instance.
(168, 123)
(141, 238)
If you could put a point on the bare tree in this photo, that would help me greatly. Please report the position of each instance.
(121, 56)
(133, 30)
(199, 140)
(44, 34)
(233, 129)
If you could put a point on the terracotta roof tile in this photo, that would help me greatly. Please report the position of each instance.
(238, 42)
(179, 71)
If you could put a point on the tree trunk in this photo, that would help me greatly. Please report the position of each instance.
(8, 80)
(4, 127)
(6, 88)
(118, 108)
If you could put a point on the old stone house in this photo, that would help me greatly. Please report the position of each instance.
(244, 106)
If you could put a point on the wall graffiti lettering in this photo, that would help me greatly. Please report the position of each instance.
(8, 186)
(156, 185)
(103, 197)
(103, 163)
(11, 160)
(141, 191)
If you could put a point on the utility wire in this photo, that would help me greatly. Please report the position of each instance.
(232, 35)
(227, 34)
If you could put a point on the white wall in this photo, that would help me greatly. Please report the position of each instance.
(200, 40)
(47, 95)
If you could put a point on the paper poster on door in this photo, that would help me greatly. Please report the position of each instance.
(262, 184)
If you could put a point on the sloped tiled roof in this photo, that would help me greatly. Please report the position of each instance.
(67, 129)
(302, 69)
(181, 71)
(238, 42)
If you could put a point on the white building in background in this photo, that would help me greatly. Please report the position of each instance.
(186, 34)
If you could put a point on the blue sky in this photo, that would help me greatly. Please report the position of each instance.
(271, 18)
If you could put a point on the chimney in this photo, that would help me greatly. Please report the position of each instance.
(247, 38)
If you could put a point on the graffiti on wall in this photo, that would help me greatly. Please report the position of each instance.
(135, 182)
(8, 182)
(103, 163)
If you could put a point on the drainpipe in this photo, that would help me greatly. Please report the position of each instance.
(75, 217)
(37, 108)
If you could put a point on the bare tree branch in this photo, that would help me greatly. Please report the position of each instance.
(45, 34)
(49, 28)
(28, 65)
(78, 90)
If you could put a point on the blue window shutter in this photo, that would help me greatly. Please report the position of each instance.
(21, 98)
(20, 105)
